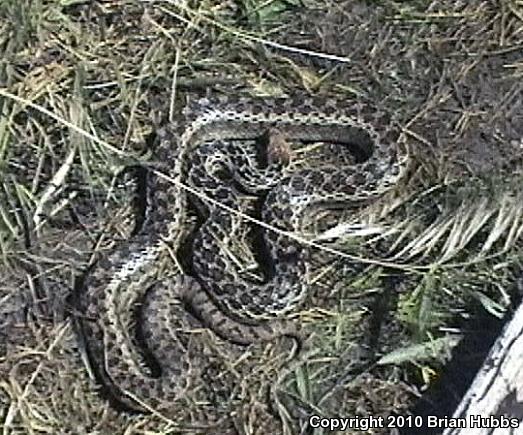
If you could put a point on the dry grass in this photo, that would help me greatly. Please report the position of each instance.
(79, 82)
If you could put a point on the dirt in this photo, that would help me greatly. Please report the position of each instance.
(447, 73)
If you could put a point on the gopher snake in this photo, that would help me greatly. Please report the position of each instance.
(209, 142)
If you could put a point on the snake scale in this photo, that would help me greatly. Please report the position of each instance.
(211, 151)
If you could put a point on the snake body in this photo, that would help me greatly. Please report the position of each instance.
(209, 151)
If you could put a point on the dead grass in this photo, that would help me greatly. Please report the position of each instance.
(78, 84)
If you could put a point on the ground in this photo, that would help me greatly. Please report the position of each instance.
(397, 333)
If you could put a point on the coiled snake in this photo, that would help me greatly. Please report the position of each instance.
(215, 143)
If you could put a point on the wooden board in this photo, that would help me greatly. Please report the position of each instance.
(493, 404)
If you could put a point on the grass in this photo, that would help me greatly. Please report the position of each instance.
(395, 287)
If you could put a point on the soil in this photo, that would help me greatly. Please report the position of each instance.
(447, 73)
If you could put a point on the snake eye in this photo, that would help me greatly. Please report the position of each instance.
(221, 193)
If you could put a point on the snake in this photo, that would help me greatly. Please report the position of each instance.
(212, 155)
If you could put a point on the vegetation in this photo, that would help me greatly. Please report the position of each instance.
(396, 285)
